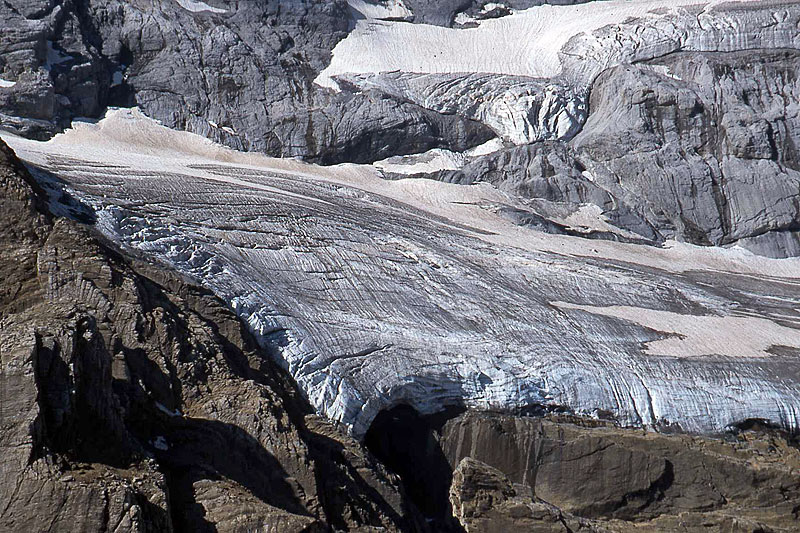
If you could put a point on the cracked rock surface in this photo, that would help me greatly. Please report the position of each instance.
(240, 73)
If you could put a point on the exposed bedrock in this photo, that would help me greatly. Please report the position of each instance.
(706, 143)
(239, 73)
(131, 400)
(698, 147)
(512, 473)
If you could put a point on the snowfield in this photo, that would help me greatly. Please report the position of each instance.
(374, 293)
(198, 7)
(540, 62)
(526, 43)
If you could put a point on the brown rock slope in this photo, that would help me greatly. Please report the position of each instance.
(132, 400)
(524, 474)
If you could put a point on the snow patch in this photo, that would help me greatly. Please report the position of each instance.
(391, 9)
(430, 161)
(489, 147)
(701, 335)
(525, 43)
(436, 159)
(5, 84)
(198, 7)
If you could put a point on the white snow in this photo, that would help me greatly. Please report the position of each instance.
(391, 9)
(549, 56)
(701, 335)
(436, 159)
(526, 43)
(492, 5)
(197, 7)
(463, 18)
(430, 161)
(5, 84)
(489, 147)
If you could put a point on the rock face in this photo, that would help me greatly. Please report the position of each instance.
(132, 400)
(237, 72)
(484, 500)
(704, 144)
(696, 147)
(677, 122)
(514, 473)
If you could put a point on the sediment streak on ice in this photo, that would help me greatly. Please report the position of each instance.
(416, 291)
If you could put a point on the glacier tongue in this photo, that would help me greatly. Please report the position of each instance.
(375, 293)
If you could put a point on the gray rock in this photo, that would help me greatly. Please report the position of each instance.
(702, 146)
(699, 147)
(242, 77)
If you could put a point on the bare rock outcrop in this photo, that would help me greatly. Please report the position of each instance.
(619, 480)
(699, 147)
(484, 500)
(240, 73)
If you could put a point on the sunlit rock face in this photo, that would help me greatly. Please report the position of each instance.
(240, 73)
(693, 146)
(374, 293)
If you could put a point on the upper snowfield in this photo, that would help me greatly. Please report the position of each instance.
(525, 43)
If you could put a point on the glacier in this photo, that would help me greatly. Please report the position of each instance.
(373, 293)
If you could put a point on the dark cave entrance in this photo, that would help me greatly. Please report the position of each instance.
(408, 444)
